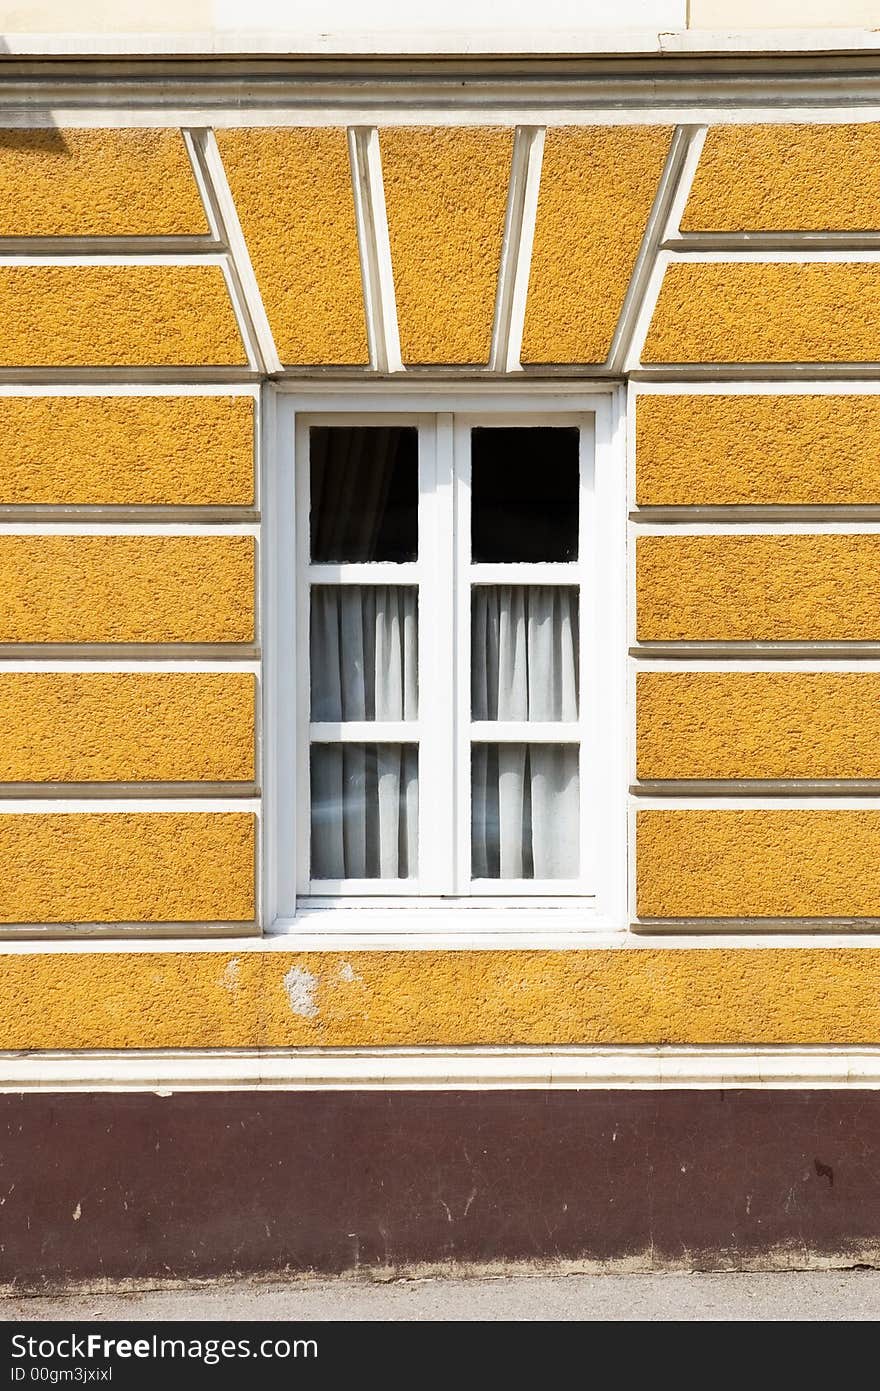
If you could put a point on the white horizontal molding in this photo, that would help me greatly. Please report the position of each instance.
(439, 1069)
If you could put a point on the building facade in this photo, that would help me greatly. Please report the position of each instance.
(439, 647)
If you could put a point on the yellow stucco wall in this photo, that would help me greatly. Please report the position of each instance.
(92, 183)
(786, 178)
(446, 195)
(794, 450)
(116, 316)
(763, 863)
(757, 724)
(178, 999)
(126, 589)
(597, 187)
(145, 867)
(754, 587)
(761, 312)
(293, 194)
(126, 726)
(127, 450)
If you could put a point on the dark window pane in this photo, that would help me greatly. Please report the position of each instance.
(524, 494)
(364, 492)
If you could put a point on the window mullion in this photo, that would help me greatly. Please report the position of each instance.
(460, 570)
(436, 666)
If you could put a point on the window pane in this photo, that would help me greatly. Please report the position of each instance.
(524, 652)
(524, 494)
(364, 493)
(365, 800)
(364, 652)
(525, 814)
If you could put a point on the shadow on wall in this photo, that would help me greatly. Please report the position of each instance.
(47, 139)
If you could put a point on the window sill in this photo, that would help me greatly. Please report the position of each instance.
(423, 928)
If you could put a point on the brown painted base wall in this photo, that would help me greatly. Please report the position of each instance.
(135, 1186)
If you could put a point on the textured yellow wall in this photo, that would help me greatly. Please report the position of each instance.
(374, 998)
(758, 587)
(786, 178)
(116, 316)
(126, 589)
(446, 195)
(123, 450)
(93, 183)
(693, 450)
(121, 726)
(757, 312)
(783, 864)
(597, 187)
(758, 724)
(126, 867)
(293, 192)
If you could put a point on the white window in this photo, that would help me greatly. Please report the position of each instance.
(454, 724)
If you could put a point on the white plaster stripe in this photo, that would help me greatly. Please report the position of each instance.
(442, 1069)
(374, 246)
(672, 191)
(516, 249)
(223, 217)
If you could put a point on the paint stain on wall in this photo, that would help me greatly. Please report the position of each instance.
(301, 986)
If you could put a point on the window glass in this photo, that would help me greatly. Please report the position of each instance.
(524, 494)
(364, 493)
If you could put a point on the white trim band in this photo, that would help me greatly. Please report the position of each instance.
(421, 1069)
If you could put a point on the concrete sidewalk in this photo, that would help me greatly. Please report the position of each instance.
(819, 1296)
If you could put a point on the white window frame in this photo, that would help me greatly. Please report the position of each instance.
(597, 902)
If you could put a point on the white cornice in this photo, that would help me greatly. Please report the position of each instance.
(439, 1069)
(470, 43)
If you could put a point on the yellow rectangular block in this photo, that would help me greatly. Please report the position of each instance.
(750, 311)
(786, 178)
(758, 588)
(140, 867)
(293, 194)
(598, 184)
(758, 864)
(117, 316)
(127, 726)
(127, 450)
(758, 724)
(97, 183)
(446, 195)
(788, 450)
(373, 999)
(126, 589)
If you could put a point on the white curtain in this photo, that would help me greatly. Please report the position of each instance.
(364, 652)
(364, 811)
(524, 666)
(364, 664)
(524, 652)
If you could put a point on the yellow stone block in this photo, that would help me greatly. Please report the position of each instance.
(758, 864)
(117, 316)
(446, 195)
(750, 588)
(127, 450)
(760, 312)
(790, 450)
(293, 193)
(97, 183)
(758, 724)
(787, 178)
(127, 726)
(126, 589)
(597, 187)
(145, 867)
